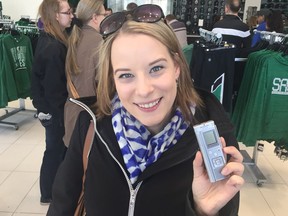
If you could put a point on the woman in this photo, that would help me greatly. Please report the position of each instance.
(82, 57)
(49, 91)
(145, 158)
(274, 21)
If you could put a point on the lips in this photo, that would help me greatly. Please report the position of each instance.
(149, 105)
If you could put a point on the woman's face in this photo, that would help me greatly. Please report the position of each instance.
(65, 15)
(100, 17)
(145, 78)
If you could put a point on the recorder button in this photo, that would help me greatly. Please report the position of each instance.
(218, 161)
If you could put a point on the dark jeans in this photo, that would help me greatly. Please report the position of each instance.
(53, 155)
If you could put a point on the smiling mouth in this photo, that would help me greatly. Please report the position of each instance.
(149, 105)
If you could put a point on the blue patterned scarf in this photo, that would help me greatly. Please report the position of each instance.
(138, 146)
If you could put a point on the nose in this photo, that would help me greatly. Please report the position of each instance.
(144, 87)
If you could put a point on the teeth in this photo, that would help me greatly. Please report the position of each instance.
(149, 105)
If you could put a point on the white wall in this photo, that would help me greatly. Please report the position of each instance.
(16, 8)
(253, 3)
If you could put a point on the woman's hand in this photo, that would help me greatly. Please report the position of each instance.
(209, 197)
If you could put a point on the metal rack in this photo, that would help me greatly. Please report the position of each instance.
(27, 29)
(11, 25)
(210, 36)
(7, 22)
(251, 163)
(271, 37)
(13, 112)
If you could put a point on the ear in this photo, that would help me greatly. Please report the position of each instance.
(177, 66)
(177, 71)
(95, 18)
(57, 16)
(227, 9)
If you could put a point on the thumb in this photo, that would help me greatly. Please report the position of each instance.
(198, 165)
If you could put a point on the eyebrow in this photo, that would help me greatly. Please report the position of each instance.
(121, 69)
(157, 60)
(150, 64)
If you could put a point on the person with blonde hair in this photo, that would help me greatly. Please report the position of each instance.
(48, 87)
(82, 58)
(252, 23)
(144, 158)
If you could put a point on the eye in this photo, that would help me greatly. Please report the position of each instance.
(156, 68)
(125, 76)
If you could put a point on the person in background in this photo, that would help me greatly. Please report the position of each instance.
(131, 6)
(109, 11)
(179, 29)
(144, 158)
(48, 87)
(82, 57)
(261, 20)
(73, 4)
(232, 27)
(252, 23)
(274, 21)
(40, 25)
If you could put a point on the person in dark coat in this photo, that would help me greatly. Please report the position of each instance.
(48, 87)
(232, 28)
(145, 159)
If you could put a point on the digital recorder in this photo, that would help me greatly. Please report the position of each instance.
(211, 149)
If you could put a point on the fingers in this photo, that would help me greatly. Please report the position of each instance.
(236, 181)
(236, 156)
(233, 168)
(223, 142)
(198, 165)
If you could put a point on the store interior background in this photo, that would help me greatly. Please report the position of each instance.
(16, 8)
(21, 152)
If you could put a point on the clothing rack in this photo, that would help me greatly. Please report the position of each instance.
(13, 112)
(251, 163)
(27, 29)
(210, 36)
(10, 23)
(7, 22)
(271, 37)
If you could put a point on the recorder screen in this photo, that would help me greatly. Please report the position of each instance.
(209, 137)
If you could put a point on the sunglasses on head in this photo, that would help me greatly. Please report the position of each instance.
(148, 13)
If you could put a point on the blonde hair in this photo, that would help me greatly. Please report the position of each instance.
(84, 12)
(186, 94)
(47, 11)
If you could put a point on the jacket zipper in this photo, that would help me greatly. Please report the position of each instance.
(133, 192)
(132, 202)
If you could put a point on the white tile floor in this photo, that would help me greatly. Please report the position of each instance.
(21, 153)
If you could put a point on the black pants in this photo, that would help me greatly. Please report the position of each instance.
(53, 155)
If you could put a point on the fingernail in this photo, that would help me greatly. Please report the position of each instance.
(224, 171)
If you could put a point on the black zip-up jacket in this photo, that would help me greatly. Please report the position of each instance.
(163, 189)
(234, 31)
(49, 91)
